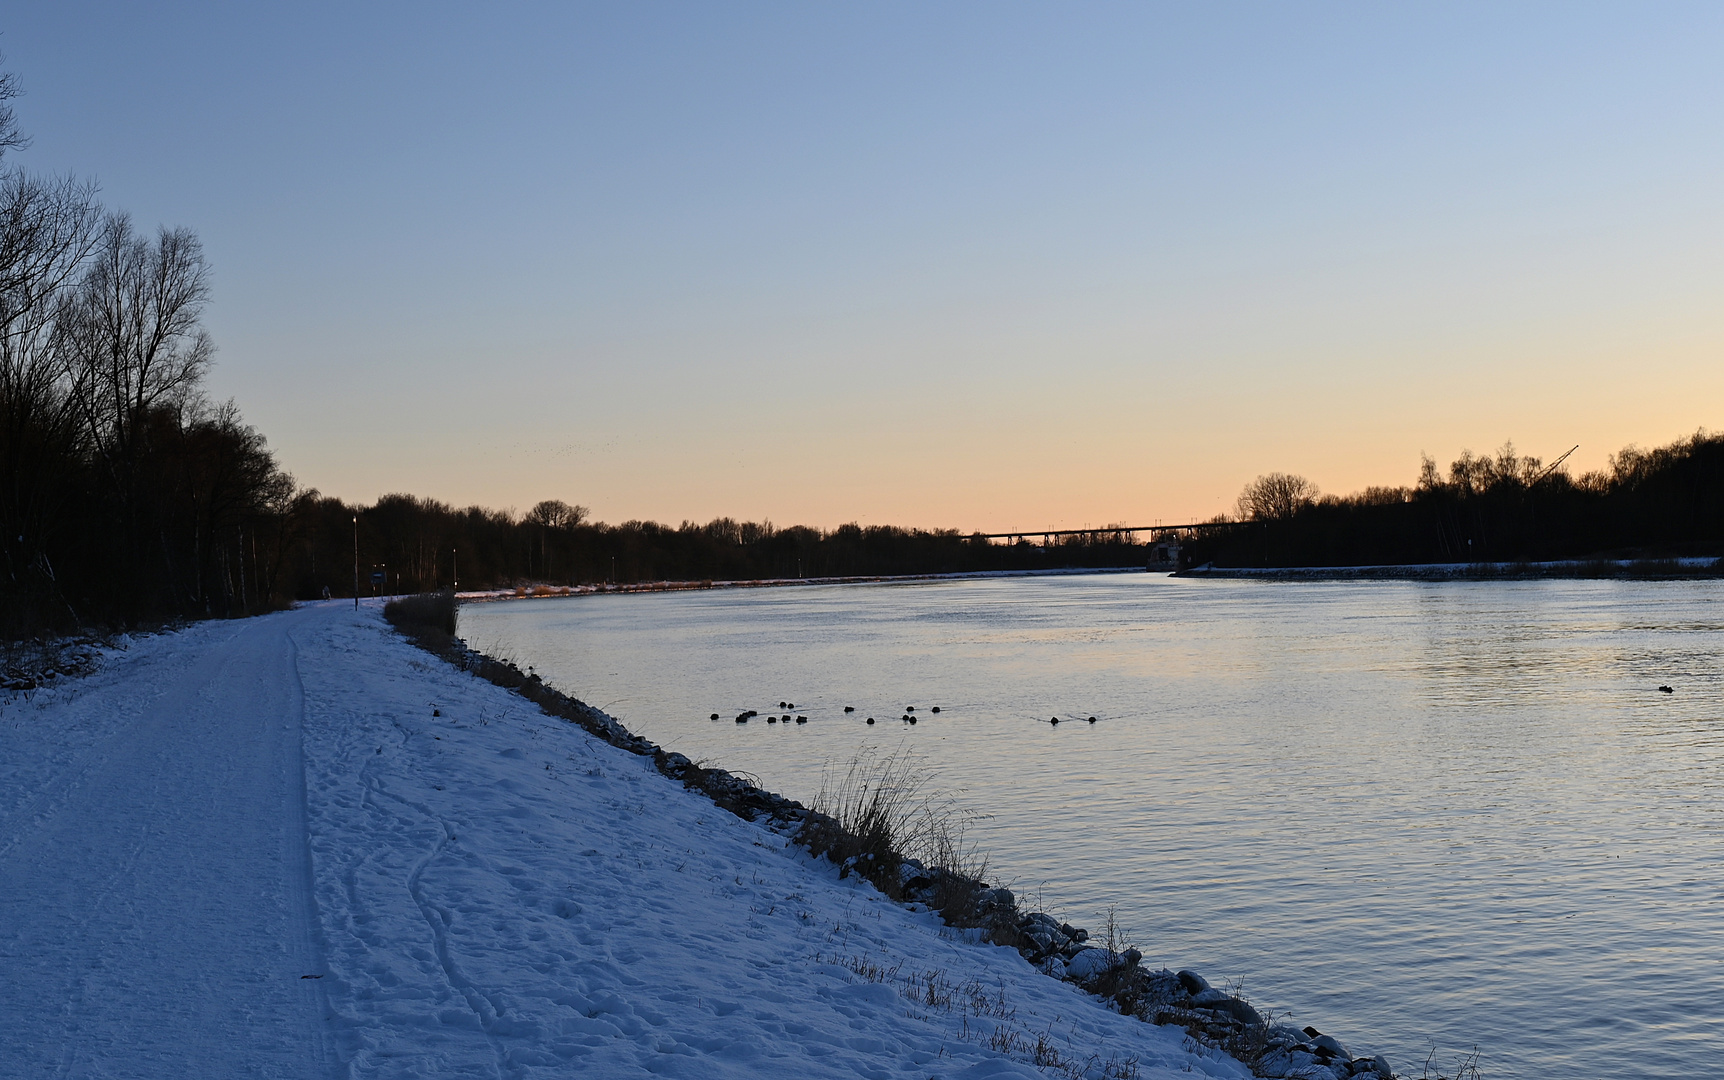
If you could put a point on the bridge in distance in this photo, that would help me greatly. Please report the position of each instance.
(1048, 535)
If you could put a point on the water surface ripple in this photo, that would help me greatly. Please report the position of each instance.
(1416, 815)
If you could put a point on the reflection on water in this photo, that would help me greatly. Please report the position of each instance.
(1413, 813)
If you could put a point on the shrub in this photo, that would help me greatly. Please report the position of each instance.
(429, 619)
(959, 878)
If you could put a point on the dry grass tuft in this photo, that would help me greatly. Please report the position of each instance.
(1467, 1068)
(883, 813)
(869, 820)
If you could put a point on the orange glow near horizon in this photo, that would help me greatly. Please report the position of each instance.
(933, 266)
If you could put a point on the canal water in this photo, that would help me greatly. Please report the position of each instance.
(1422, 817)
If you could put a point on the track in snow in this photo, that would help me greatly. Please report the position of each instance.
(156, 908)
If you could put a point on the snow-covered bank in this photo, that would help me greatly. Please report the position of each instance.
(299, 846)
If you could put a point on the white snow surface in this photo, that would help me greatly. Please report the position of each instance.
(220, 812)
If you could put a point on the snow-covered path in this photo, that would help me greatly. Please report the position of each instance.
(485, 891)
(155, 903)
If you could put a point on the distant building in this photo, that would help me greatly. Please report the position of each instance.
(1164, 553)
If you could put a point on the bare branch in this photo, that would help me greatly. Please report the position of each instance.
(10, 137)
(1275, 497)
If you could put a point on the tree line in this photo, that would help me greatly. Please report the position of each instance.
(420, 544)
(125, 493)
(1663, 503)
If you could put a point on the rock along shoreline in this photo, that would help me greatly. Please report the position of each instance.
(1210, 1016)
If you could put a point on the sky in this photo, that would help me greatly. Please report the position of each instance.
(982, 266)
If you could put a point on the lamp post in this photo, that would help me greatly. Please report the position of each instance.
(455, 557)
(355, 562)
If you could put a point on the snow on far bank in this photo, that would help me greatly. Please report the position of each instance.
(541, 590)
(492, 893)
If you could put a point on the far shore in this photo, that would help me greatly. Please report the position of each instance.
(541, 590)
(1705, 567)
(1640, 569)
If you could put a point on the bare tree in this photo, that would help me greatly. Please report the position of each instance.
(557, 514)
(130, 337)
(551, 515)
(10, 137)
(133, 353)
(47, 229)
(122, 492)
(1275, 497)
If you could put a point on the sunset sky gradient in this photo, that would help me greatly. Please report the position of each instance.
(985, 266)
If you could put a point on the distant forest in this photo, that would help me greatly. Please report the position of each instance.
(1647, 504)
(425, 541)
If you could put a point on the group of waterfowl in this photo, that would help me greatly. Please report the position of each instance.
(909, 716)
(787, 718)
(746, 715)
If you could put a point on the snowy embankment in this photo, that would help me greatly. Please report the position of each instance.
(298, 846)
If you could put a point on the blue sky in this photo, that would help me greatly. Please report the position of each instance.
(971, 265)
